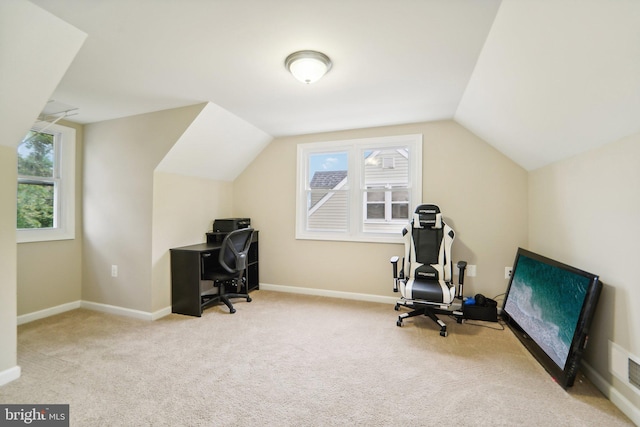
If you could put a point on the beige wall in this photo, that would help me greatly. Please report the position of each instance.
(183, 210)
(585, 211)
(120, 157)
(57, 279)
(8, 257)
(482, 194)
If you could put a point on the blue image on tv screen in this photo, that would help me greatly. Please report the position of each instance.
(546, 301)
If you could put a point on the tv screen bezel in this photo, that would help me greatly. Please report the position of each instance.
(563, 376)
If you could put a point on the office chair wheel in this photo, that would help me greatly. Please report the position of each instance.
(249, 299)
(232, 310)
(444, 333)
(397, 307)
(399, 323)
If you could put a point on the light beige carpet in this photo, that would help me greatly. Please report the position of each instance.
(292, 360)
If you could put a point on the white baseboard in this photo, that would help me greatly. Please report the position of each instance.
(104, 308)
(9, 375)
(617, 398)
(326, 293)
(30, 317)
(161, 313)
(113, 309)
(144, 315)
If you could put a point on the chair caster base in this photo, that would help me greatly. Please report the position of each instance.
(233, 310)
(249, 299)
(399, 323)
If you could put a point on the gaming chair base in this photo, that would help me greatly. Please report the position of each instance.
(431, 312)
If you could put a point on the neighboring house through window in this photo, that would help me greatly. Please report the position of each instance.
(46, 184)
(359, 190)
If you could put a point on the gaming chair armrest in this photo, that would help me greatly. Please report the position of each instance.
(462, 265)
(394, 262)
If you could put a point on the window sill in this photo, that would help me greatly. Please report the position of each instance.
(50, 235)
(396, 239)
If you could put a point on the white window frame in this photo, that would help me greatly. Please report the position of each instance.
(355, 177)
(387, 189)
(65, 187)
(388, 202)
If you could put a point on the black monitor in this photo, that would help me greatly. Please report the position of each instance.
(549, 306)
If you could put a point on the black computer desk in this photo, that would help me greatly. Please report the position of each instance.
(190, 263)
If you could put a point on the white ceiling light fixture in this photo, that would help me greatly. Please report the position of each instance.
(308, 66)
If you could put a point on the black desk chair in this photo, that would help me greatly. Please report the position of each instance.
(233, 262)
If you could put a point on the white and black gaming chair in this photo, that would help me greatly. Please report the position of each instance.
(425, 281)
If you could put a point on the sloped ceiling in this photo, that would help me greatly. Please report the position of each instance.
(29, 38)
(556, 78)
(217, 145)
(539, 80)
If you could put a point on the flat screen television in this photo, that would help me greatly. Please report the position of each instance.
(549, 306)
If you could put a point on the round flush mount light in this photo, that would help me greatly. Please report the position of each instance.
(308, 66)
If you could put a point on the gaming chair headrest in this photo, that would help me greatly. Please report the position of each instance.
(427, 216)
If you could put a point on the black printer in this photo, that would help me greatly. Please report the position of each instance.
(225, 225)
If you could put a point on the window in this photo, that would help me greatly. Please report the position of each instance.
(46, 184)
(358, 190)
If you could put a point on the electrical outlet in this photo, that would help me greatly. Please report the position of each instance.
(471, 270)
(114, 271)
(507, 272)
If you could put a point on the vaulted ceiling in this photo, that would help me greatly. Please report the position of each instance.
(539, 80)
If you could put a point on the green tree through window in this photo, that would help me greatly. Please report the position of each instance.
(36, 181)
